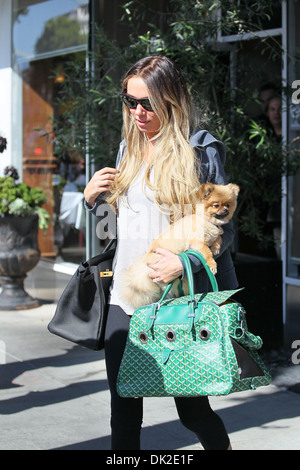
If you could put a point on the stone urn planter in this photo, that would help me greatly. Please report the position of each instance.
(19, 254)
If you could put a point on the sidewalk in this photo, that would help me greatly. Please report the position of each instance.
(54, 395)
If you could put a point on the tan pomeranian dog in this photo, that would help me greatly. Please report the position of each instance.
(200, 231)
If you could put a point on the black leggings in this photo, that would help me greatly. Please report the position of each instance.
(195, 413)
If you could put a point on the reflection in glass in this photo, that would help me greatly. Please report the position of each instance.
(48, 27)
(293, 205)
(237, 16)
(46, 34)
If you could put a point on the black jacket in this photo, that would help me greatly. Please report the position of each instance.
(212, 155)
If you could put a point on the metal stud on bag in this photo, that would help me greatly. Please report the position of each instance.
(170, 335)
(204, 333)
(143, 337)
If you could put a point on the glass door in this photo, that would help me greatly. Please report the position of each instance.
(293, 135)
(46, 34)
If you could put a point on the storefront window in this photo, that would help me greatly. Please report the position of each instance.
(293, 205)
(46, 34)
(48, 27)
(232, 25)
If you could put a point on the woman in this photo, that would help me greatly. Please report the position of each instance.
(274, 113)
(159, 164)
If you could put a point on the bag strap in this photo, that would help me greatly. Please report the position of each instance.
(110, 243)
(189, 274)
(211, 276)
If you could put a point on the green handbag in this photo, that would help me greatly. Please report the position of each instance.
(190, 346)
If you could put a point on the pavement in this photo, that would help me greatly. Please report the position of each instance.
(54, 395)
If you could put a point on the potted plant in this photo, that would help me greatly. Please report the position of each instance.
(3, 144)
(21, 215)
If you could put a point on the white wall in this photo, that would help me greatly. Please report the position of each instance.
(11, 114)
(5, 82)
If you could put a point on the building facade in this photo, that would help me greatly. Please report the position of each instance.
(36, 39)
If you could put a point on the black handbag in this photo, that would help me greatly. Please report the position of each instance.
(81, 311)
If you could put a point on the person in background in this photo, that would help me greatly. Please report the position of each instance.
(274, 114)
(266, 92)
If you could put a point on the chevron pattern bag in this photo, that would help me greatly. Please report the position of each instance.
(190, 346)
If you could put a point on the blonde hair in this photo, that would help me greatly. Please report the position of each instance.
(174, 167)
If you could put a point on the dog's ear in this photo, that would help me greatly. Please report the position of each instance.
(234, 188)
(206, 190)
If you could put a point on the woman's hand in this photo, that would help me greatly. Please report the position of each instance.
(99, 183)
(167, 268)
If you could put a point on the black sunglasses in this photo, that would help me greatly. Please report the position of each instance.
(133, 102)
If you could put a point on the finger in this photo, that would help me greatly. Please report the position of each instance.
(107, 169)
(162, 281)
(152, 266)
(162, 251)
(105, 173)
(109, 176)
(104, 180)
(152, 275)
(103, 186)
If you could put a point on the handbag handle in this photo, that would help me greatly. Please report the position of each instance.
(110, 244)
(189, 274)
(191, 316)
(211, 276)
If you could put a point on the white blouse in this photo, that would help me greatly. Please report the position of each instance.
(139, 222)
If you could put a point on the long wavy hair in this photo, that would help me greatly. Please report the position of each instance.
(174, 168)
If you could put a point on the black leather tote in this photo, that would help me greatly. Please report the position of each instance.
(81, 311)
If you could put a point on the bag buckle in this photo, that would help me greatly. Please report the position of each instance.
(155, 307)
(239, 331)
(192, 306)
(106, 273)
(191, 314)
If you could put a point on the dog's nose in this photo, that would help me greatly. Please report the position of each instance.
(222, 214)
(225, 212)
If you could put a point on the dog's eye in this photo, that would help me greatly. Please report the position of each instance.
(216, 206)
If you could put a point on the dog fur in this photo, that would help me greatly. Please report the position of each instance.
(200, 232)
